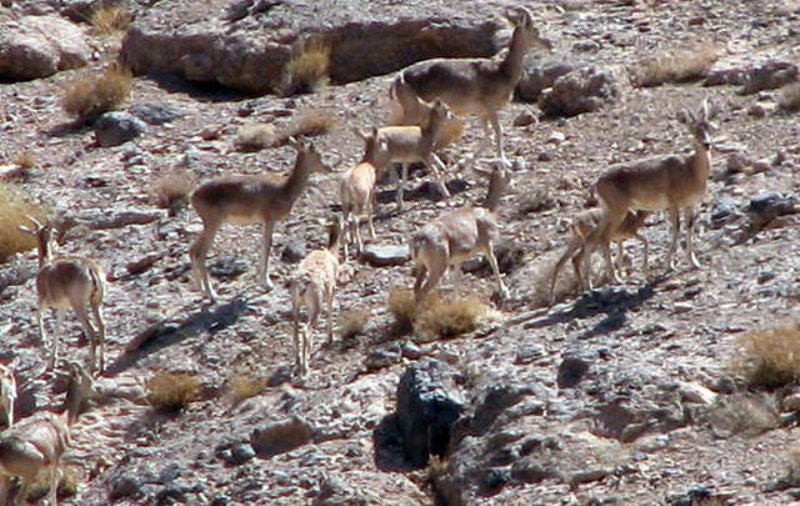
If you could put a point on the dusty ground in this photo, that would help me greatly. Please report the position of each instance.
(679, 327)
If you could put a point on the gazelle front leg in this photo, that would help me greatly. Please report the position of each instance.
(266, 246)
(56, 333)
(504, 294)
(498, 137)
(675, 218)
(330, 297)
(690, 216)
(439, 170)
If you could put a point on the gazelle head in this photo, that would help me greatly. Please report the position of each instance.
(309, 156)
(523, 23)
(700, 124)
(43, 234)
(373, 143)
(440, 111)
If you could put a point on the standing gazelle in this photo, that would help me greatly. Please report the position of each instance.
(453, 237)
(478, 86)
(314, 284)
(37, 444)
(673, 182)
(69, 282)
(244, 200)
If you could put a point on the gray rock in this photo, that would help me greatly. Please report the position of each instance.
(769, 76)
(384, 357)
(115, 128)
(723, 211)
(39, 46)
(124, 485)
(539, 77)
(767, 206)
(280, 437)
(156, 114)
(574, 366)
(581, 91)
(428, 405)
(385, 255)
(293, 252)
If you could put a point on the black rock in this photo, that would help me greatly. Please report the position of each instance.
(115, 128)
(156, 114)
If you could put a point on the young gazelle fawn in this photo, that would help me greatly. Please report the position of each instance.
(478, 86)
(675, 183)
(454, 237)
(357, 191)
(65, 282)
(410, 144)
(581, 227)
(37, 443)
(8, 393)
(314, 284)
(243, 200)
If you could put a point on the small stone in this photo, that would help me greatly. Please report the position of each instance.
(384, 357)
(757, 111)
(791, 402)
(293, 252)
(556, 138)
(524, 119)
(385, 255)
(115, 128)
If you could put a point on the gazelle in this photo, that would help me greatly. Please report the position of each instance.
(312, 285)
(37, 444)
(8, 393)
(478, 86)
(582, 226)
(453, 237)
(357, 191)
(243, 200)
(673, 182)
(409, 144)
(68, 282)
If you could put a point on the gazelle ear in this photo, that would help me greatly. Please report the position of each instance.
(482, 171)
(23, 228)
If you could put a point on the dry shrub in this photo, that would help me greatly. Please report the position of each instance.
(675, 66)
(447, 318)
(254, 137)
(401, 305)
(769, 358)
(172, 391)
(310, 123)
(107, 20)
(790, 97)
(88, 96)
(172, 191)
(746, 413)
(352, 322)
(244, 386)
(307, 71)
(25, 160)
(13, 210)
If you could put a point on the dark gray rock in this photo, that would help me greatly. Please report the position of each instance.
(385, 255)
(293, 252)
(573, 367)
(581, 91)
(384, 357)
(494, 401)
(767, 206)
(428, 404)
(769, 76)
(228, 267)
(723, 211)
(115, 128)
(124, 485)
(156, 114)
(280, 437)
(539, 77)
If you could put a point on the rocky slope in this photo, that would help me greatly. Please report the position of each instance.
(621, 396)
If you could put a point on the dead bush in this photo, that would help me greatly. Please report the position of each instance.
(675, 66)
(245, 386)
(352, 322)
(769, 358)
(170, 391)
(310, 123)
(401, 305)
(307, 71)
(14, 207)
(172, 191)
(450, 317)
(790, 97)
(108, 19)
(747, 413)
(25, 160)
(254, 137)
(88, 96)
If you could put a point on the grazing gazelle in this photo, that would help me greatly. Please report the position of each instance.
(36, 444)
(673, 182)
(74, 282)
(582, 225)
(314, 284)
(478, 86)
(243, 200)
(453, 237)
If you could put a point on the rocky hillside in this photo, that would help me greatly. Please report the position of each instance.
(634, 393)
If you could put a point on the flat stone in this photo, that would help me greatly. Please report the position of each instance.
(385, 255)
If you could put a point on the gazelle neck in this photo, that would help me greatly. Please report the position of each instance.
(495, 192)
(296, 182)
(44, 250)
(701, 160)
(511, 66)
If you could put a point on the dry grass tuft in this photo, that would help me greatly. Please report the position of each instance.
(446, 318)
(88, 96)
(747, 413)
(244, 386)
(13, 208)
(254, 137)
(172, 191)
(769, 358)
(310, 123)
(790, 97)
(172, 391)
(107, 20)
(25, 160)
(675, 66)
(401, 305)
(352, 322)
(307, 71)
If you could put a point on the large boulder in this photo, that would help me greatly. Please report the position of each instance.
(584, 90)
(39, 46)
(246, 44)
